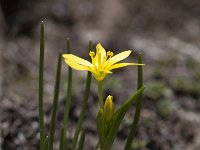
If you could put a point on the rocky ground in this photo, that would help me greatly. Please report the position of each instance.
(166, 32)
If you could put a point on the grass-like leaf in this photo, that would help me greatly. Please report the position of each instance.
(46, 143)
(62, 139)
(55, 102)
(63, 142)
(138, 107)
(84, 106)
(81, 141)
(41, 71)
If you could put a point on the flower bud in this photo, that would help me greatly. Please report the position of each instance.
(109, 108)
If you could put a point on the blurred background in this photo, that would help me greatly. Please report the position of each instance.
(166, 32)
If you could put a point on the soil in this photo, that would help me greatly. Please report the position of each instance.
(166, 32)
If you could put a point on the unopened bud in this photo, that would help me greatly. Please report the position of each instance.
(109, 108)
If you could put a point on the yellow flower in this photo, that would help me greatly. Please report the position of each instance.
(102, 62)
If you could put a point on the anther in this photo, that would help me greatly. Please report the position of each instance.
(92, 54)
(109, 54)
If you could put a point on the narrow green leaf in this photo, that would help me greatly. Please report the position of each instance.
(81, 141)
(41, 71)
(46, 143)
(62, 139)
(138, 107)
(84, 106)
(127, 104)
(55, 103)
(118, 117)
(67, 103)
(140, 72)
(101, 127)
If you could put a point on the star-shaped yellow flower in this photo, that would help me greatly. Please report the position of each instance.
(102, 62)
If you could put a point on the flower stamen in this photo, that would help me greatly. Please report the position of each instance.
(92, 54)
(108, 57)
(110, 54)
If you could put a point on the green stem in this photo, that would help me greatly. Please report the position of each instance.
(138, 107)
(41, 71)
(100, 94)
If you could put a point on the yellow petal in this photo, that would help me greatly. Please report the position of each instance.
(77, 60)
(100, 54)
(76, 66)
(101, 50)
(119, 65)
(119, 57)
(93, 70)
(95, 60)
(106, 71)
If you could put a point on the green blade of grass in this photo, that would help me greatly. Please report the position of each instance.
(138, 107)
(140, 72)
(41, 71)
(62, 139)
(67, 104)
(46, 143)
(81, 141)
(55, 102)
(84, 106)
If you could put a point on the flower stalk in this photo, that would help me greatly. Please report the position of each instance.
(100, 94)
